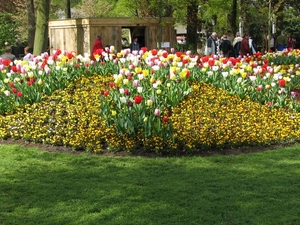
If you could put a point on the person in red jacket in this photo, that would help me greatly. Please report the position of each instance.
(245, 48)
(97, 45)
(291, 41)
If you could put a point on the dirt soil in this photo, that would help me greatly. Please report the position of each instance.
(64, 149)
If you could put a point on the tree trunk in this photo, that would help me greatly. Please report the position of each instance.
(233, 19)
(192, 19)
(31, 22)
(68, 9)
(41, 32)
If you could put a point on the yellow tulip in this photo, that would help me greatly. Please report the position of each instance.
(30, 74)
(138, 69)
(125, 81)
(152, 79)
(244, 75)
(149, 102)
(145, 73)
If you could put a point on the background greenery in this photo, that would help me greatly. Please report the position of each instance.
(8, 30)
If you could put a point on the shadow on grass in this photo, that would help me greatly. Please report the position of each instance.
(52, 188)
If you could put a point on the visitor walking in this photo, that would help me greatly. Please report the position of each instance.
(252, 45)
(230, 37)
(237, 44)
(272, 43)
(281, 41)
(245, 48)
(211, 45)
(225, 46)
(291, 41)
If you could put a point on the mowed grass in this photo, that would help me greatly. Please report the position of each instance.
(40, 187)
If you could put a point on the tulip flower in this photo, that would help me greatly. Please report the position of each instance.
(138, 99)
(7, 93)
(157, 112)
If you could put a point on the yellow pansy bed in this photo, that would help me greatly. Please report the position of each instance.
(207, 118)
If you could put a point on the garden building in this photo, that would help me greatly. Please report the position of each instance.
(79, 34)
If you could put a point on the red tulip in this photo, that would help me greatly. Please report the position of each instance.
(70, 55)
(165, 119)
(144, 49)
(188, 73)
(126, 92)
(281, 82)
(178, 54)
(99, 51)
(6, 62)
(138, 99)
(14, 69)
(211, 62)
(154, 52)
(205, 59)
(55, 57)
(185, 61)
(165, 54)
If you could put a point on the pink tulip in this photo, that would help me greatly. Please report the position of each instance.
(157, 112)
(136, 83)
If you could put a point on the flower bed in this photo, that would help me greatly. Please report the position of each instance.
(151, 100)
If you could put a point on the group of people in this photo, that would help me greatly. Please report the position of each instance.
(242, 46)
(230, 46)
(282, 42)
(134, 45)
(9, 55)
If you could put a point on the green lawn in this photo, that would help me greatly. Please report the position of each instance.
(39, 188)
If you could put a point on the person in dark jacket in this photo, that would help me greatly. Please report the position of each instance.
(225, 46)
(134, 46)
(237, 44)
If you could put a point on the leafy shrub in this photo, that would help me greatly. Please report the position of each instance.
(8, 30)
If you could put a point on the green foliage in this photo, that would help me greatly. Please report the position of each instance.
(59, 4)
(125, 8)
(184, 47)
(292, 26)
(8, 29)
